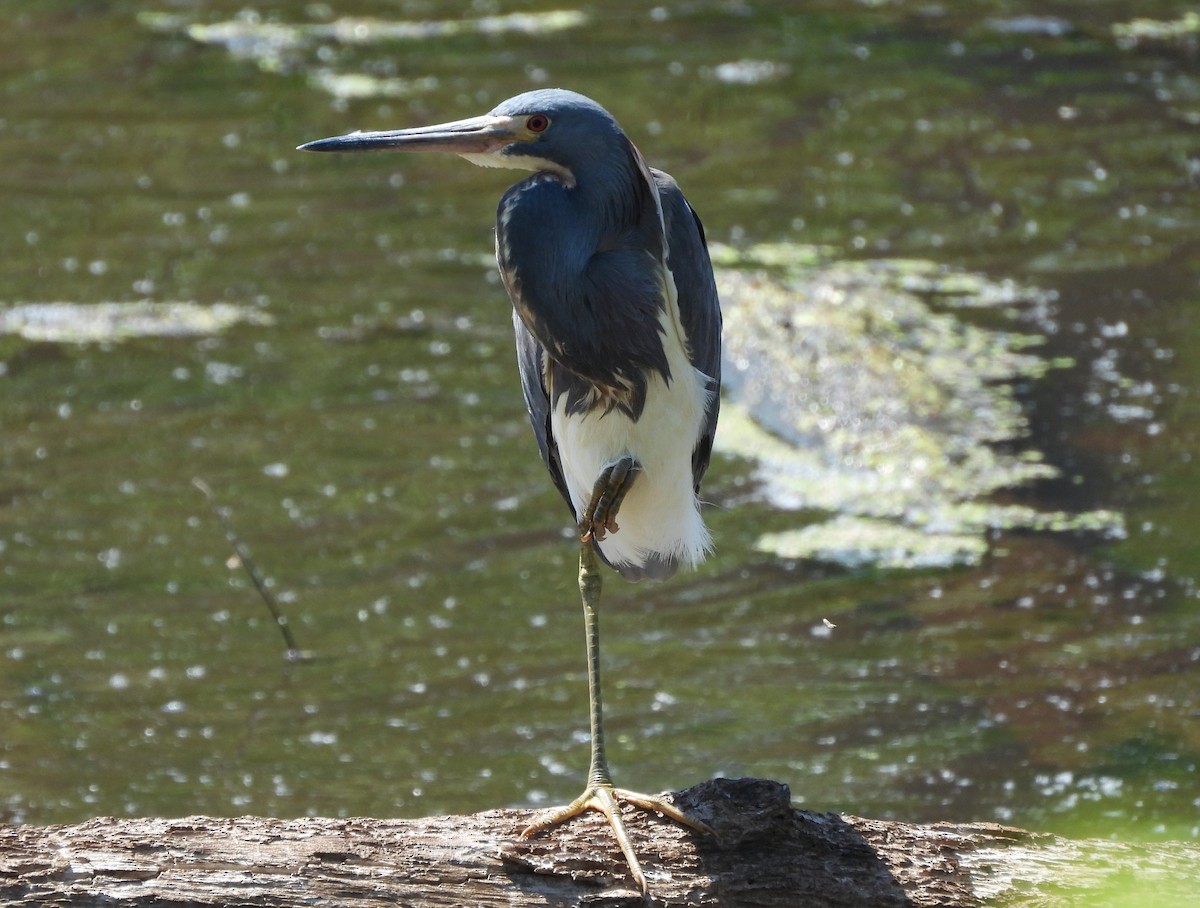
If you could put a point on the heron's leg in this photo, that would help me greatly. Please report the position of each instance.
(600, 515)
(600, 794)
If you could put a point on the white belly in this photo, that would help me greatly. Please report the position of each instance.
(659, 520)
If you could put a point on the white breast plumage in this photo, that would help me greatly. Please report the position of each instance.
(660, 522)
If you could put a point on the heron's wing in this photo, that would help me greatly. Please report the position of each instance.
(531, 359)
(699, 307)
(583, 284)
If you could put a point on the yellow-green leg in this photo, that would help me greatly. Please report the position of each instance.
(600, 794)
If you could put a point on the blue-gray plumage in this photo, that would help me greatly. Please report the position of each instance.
(618, 332)
(607, 271)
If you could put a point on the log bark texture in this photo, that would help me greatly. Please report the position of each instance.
(769, 854)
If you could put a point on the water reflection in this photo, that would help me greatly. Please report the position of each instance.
(371, 444)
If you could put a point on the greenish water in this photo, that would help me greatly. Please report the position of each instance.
(369, 438)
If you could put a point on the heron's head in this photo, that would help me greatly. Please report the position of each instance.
(548, 129)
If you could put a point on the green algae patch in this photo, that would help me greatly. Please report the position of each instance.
(864, 541)
(87, 323)
(1182, 31)
(854, 397)
(276, 46)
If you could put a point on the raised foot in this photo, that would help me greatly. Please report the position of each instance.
(600, 516)
(606, 799)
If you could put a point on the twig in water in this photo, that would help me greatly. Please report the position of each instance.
(294, 653)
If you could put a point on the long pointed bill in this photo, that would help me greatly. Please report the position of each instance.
(478, 135)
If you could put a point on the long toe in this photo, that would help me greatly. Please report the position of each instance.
(606, 799)
(660, 805)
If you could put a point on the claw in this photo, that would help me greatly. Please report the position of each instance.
(606, 799)
(600, 516)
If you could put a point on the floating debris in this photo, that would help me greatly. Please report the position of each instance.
(855, 398)
(749, 72)
(248, 34)
(289, 47)
(1042, 26)
(89, 323)
(361, 85)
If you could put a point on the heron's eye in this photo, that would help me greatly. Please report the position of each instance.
(538, 123)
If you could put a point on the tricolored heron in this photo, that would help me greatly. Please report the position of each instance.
(618, 332)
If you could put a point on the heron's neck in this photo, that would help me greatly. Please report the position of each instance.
(615, 189)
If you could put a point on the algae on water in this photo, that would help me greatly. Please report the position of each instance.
(855, 398)
(84, 323)
(283, 47)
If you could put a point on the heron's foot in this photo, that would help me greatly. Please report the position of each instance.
(607, 799)
(600, 516)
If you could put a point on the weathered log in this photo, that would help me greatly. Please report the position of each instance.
(769, 854)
